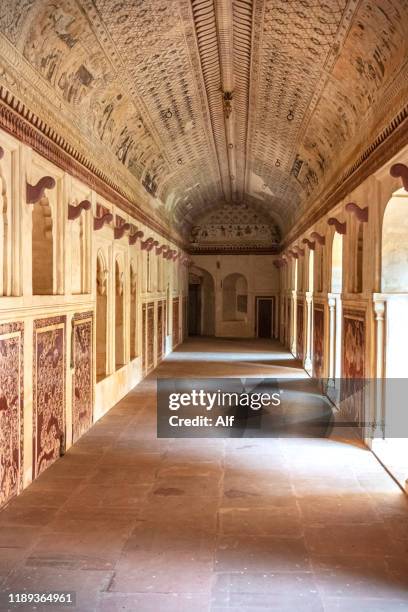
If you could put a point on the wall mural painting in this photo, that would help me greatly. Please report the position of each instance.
(300, 331)
(352, 388)
(11, 410)
(176, 318)
(318, 340)
(150, 336)
(48, 391)
(82, 393)
(354, 344)
(159, 331)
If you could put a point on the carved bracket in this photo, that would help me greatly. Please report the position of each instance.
(75, 211)
(340, 228)
(309, 243)
(361, 214)
(118, 232)
(147, 245)
(300, 251)
(319, 238)
(133, 237)
(400, 171)
(34, 193)
(294, 254)
(99, 222)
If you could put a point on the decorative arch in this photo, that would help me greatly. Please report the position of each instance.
(42, 248)
(234, 297)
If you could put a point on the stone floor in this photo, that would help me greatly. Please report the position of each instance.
(133, 523)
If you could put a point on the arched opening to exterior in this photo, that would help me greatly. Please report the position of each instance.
(201, 303)
(392, 337)
(234, 297)
(101, 317)
(335, 312)
(42, 248)
(133, 313)
(119, 317)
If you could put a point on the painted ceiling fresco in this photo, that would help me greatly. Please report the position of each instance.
(191, 103)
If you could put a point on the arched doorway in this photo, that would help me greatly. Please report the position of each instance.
(201, 303)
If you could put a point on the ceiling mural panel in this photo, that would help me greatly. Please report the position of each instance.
(194, 105)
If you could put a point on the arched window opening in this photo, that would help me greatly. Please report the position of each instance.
(133, 313)
(119, 318)
(337, 264)
(359, 259)
(101, 318)
(235, 297)
(42, 248)
(336, 313)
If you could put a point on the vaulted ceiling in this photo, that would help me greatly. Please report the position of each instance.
(190, 104)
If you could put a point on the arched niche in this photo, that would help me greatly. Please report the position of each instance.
(201, 302)
(234, 297)
(101, 316)
(119, 316)
(311, 270)
(394, 243)
(337, 263)
(42, 248)
(133, 312)
(78, 259)
(358, 288)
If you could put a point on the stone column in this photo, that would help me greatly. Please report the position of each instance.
(332, 335)
(379, 404)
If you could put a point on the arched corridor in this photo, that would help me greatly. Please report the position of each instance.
(253, 522)
(203, 305)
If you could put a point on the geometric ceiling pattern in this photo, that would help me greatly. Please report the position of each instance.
(195, 104)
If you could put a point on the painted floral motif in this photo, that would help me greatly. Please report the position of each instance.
(11, 410)
(82, 392)
(48, 391)
(354, 345)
